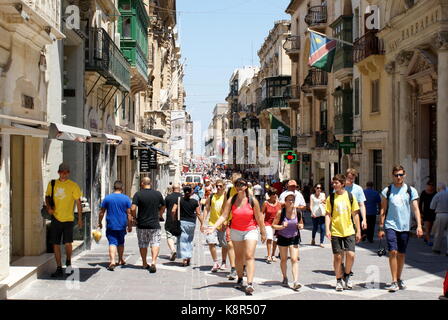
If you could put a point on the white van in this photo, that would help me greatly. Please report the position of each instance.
(193, 178)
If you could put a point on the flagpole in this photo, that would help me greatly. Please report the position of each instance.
(331, 38)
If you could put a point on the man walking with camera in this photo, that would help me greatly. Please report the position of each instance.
(398, 198)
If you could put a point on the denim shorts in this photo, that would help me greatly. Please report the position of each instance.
(397, 241)
(115, 237)
(236, 235)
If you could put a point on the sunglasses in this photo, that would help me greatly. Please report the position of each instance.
(399, 175)
(318, 188)
(241, 185)
(219, 186)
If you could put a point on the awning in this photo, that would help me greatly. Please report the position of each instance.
(159, 151)
(23, 130)
(99, 137)
(24, 120)
(64, 132)
(143, 136)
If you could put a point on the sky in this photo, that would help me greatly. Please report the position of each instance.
(217, 37)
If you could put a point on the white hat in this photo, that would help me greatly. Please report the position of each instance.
(289, 193)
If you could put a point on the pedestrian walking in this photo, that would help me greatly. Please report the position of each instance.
(373, 205)
(170, 200)
(428, 215)
(395, 223)
(440, 205)
(288, 221)
(221, 237)
(258, 192)
(117, 208)
(189, 212)
(270, 209)
(343, 229)
(317, 205)
(358, 192)
(61, 196)
(150, 205)
(246, 215)
(299, 200)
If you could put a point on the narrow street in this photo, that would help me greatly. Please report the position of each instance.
(423, 273)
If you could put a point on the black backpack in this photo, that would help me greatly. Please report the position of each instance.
(389, 191)
(350, 197)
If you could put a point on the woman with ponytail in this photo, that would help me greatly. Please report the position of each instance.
(245, 217)
(189, 211)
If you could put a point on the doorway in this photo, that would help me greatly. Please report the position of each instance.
(427, 141)
(17, 196)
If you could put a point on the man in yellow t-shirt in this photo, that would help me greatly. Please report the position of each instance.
(341, 231)
(65, 194)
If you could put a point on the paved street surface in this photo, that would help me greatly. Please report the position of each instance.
(423, 274)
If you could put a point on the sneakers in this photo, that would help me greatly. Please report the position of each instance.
(339, 285)
(250, 289)
(285, 282)
(239, 284)
(173, 256)
(348, 282)
(223, 266)
(322, 245)
(215, 267)
(401, 285)
(58, 273)
(68, 267)
(297, 285)
(393, 287)
(313, 242)
(152, 268)
(232, 275)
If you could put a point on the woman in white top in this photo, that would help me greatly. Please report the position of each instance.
(317, 204)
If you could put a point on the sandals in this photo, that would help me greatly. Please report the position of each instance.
(111, 267)
(268, 260)
(274, 259)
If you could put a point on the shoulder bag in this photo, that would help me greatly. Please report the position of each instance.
(175, 229)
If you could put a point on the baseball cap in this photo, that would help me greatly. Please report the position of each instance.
(63, 167)
(292, 183)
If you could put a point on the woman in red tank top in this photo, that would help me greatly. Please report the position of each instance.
(246, 215)
(270, 209)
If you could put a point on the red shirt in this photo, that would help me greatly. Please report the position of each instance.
(243, 219)
(270, 212)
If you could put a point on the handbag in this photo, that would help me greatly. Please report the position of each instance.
(175, 229)
(43, 210)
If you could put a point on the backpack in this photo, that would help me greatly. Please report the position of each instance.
(350, 197)
(389, 191)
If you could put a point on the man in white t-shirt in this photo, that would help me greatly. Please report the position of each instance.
(292, 187)
(258, 192)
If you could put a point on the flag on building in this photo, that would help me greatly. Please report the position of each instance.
(321, 52)
(284, 133)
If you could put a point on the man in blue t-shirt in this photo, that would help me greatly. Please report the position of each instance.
(373, 204)
(395, 223)
(118, 218)
(350, 186)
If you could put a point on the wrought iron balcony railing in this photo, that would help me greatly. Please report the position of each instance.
(316, 15)
(292, 44)
(315, 78)
(104, 57)
(367, 45)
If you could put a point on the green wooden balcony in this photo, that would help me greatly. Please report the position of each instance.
(343, 123)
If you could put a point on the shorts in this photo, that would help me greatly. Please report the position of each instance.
(236, 235)
(286, 242)
(217, 237)
(149, 237)
(170, 236)
(397, 241)
(61, 231)
(115, 237)
(339, 244)
(429, 217)
(269, 232)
